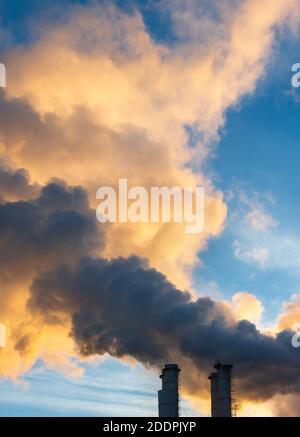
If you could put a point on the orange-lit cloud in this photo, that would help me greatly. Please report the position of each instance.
(290, 314)
(247, 306)
(105, 109)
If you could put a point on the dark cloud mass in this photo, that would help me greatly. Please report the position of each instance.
(123, 307)
(40, 233)
(15, 184)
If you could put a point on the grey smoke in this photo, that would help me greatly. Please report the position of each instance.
(123, 307)
(39, 234)
(15, 184)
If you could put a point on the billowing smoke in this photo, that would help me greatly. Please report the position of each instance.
(51, 225)
(52, 271)
(123, 307)
(15, 184)
(41, 232)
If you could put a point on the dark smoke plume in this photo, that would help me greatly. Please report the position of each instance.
(39, 234)
(123, 307)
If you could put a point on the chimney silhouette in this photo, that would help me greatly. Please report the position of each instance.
(221, 398)
(168, 396)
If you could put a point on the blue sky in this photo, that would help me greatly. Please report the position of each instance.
(105, 389)
(256, 164)
(258, 155)
(109, 388)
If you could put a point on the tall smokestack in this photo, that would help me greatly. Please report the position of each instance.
(168, 397)
(224, 390)
(214, 394)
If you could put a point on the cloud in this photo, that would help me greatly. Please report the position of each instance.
(93, 99)
(247, 306)
(258, 238)
(251, 225)
(286, 406)
(107, 101)
(33, 232)
(102, 48)
(259, 219)
(15, 184)
(275, 250)
(279, 405)
(254, 208)
(36, 235)
(255, 255)
(98, 156)
(120, 306)
(290, 314)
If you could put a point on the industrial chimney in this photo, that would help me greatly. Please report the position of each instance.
(168, 397)
(221, 398)
(214, 394)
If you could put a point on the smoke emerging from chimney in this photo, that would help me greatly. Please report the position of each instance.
(50, 246)
(124, 308)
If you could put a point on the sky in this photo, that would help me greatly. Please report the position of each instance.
(161, 92)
